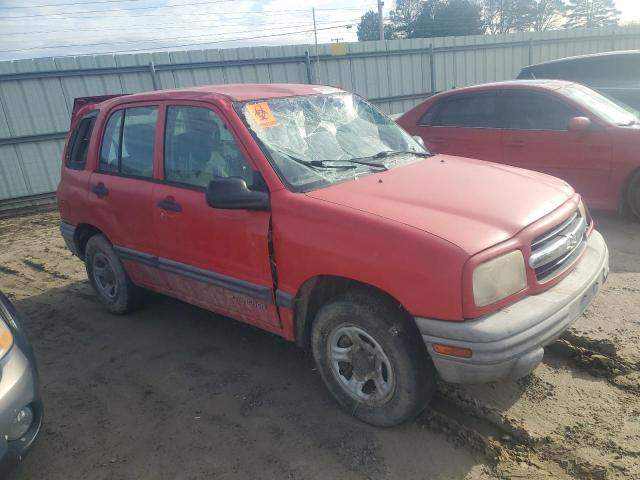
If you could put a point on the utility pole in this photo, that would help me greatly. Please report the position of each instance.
(380, 21)
(315, 34)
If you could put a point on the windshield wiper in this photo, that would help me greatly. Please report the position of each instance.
(390, 153)
(387, 154)
(352, 162)
(314, 163)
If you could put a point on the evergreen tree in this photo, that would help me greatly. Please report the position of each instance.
(368, 27)
(592, 13)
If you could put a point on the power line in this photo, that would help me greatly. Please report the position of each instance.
(80, 14)
(220, 41)
(165, 26)
(66, 4)
(342, 25)
(155, 7)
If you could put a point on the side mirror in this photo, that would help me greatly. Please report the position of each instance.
(579, 124)
(233, 193)
(419, 139)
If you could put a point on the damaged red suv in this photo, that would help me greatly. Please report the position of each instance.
(306, 212)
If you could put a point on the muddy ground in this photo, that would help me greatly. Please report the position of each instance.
(174, 392)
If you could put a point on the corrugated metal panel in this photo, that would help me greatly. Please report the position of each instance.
(36, 96)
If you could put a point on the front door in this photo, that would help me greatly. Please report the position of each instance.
(216, 258)
(537, 138)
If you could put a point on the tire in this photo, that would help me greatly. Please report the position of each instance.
(107, 275)
(373, 338)
(633, 195)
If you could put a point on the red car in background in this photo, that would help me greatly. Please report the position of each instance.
(561, 128)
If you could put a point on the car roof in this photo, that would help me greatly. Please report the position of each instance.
(512, 84)
(232, 92)
(585, 57)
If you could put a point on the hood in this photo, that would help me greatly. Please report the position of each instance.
(470, 203)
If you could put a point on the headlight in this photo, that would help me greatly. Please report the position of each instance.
(498, 278)
(6, 339)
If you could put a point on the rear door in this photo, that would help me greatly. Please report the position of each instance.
(467, 124)
(537, 138)
(121, 188)
(216, 258)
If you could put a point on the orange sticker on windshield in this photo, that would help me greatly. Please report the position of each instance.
(262, 114)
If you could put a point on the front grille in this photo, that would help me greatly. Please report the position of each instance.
(556, 250)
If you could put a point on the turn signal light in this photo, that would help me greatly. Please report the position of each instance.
(6, 339)
(451, 351)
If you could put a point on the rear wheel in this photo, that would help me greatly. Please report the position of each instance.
(376, 368)
(108, 276)
(633, 195)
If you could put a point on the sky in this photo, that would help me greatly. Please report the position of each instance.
(43, 28)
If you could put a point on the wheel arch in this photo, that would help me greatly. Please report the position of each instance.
(624, 192)
(82, 234)
(318, 290)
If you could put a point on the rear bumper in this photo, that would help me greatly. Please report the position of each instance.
(509, 343)
(68, 232)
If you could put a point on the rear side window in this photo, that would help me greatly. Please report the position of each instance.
(535, 111)
(478, 110)
(128, 142)
(79, 145)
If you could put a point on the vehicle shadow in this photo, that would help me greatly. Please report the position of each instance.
(173, 391)
(622, 235)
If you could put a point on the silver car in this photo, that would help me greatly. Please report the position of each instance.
(20, 406)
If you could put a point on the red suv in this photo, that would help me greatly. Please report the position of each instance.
(306, 212)
(551, 126)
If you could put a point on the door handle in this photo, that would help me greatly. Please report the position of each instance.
(516, 143)
(100, 190)
(439, 140)
(170, 204)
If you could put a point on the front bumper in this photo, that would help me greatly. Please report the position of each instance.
(509, 343)
(18, 388)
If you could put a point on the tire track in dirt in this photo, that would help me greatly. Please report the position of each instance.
(555, 423)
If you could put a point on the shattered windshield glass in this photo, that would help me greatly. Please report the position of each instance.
(318, 140)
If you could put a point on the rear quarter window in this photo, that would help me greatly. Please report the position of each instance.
(78, 147)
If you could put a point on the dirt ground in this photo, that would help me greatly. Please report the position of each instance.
(174, 392)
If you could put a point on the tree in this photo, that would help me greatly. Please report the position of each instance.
(592, 13)
(443, 18)
(546, 14)
(402, 18)
(368, 27)
(504, 16)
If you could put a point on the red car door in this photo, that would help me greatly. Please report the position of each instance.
(467, 125)
(216, 258)
(538, 138)
(121, 187)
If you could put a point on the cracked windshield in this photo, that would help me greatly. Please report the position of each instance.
(318, 140)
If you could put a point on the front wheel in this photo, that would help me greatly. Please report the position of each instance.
(633, 195)
(108, 276)
(376, 368)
